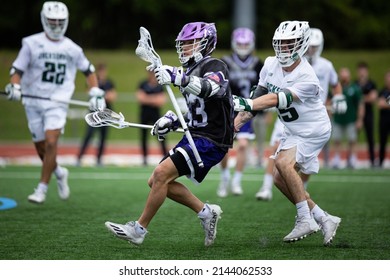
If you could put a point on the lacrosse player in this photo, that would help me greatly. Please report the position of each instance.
(244, 68)
(46, 67)
(205, 87)
(289, 83)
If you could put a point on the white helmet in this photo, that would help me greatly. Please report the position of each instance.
(243, 41)
(290, 41)
(54, 17)
(316, 44)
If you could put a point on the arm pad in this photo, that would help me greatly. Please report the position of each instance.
(285, 99)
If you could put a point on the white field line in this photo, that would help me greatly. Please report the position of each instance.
(357, 179)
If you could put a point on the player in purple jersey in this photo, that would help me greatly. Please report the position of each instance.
(206, 89)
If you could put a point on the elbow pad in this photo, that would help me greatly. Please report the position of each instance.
(285, 99)
(258, 91)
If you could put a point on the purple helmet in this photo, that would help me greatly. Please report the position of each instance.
(243, 41)
(195, 41)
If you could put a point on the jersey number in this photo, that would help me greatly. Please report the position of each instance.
(54, 73)
(196, 115)
(288, 115)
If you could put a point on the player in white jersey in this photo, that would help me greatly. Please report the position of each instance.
(46, 68)
(289, 83)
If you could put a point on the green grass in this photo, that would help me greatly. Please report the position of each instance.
(248, 230)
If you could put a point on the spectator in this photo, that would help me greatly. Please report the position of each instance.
(151, 97)
(348, 124)
(384, 118)
(370, 95)
(110, 96)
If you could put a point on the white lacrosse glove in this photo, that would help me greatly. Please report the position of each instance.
(14, 92)
(388, 100)
(339, 104)
(97, 101)
(167, 123)
(170, 75)
(242, 104)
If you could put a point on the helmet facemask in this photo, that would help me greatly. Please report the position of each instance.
(195, 41)
(54, 18)
(291, 41)
(243, 42)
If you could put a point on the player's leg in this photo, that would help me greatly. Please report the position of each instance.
(241, 156)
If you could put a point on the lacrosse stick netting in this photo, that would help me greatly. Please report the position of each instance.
(146, 52)
(108, 117)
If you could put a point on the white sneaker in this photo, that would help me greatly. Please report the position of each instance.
(209, 223)
(264, 194)
(126, 232)
(38, 196)
(329, 225)
(237, 189)
(62, 184)
(303, 228)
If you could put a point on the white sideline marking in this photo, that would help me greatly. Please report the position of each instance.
(362, 179)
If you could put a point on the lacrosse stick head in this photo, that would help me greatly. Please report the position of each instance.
(106, 117)
(145, 49)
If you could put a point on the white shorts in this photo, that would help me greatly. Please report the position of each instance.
(40, 120)
(277, 132)
(349, 131)
(308, 149)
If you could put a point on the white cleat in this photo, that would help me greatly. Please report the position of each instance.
(127, 232)
(210, 223)
(39, 196)
(263, 194)
(329, 225)
(237, 189)
(62, 184)
(303, 228)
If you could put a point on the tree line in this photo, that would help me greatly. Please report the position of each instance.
(114, 24)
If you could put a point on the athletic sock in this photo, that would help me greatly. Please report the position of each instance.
(139, 229)
(237, 178)
(317, 213)
(42, 186)
(205, 212)
(268, 181)
(303, 209)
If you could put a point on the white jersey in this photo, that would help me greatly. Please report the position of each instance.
(306, 117)
(49, 68)
(326, 74)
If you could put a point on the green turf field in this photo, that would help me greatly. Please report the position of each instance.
(248, 230)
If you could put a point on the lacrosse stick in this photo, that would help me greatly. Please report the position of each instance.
(108, 117)
(71, 101)
(146, 52)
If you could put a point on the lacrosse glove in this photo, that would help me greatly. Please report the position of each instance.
(171, 75)
(14, 92)
(242, 104)
(167, 123)
(97, 101)
(339, 104)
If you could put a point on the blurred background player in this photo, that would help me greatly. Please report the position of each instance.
(151, 97)
(347, 124)
(244, 68)
(327, 76)
(370, 95)
(110, 96)
(46, 67)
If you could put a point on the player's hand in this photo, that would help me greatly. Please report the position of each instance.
(339, 104)
(14, 92)
(242, 104)
(170, 75)
(97, 101)
(388, 100)
(167, 123)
